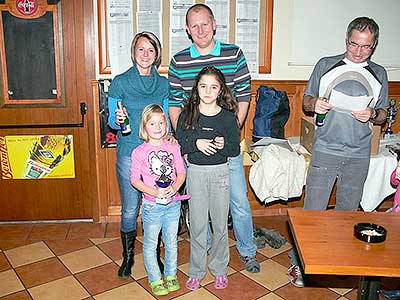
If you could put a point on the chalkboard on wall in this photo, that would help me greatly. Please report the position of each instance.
(30, 57)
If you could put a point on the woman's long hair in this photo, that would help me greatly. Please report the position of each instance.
(226, 99)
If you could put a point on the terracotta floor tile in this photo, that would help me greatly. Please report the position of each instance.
(271, 252)
(28, 254)
(92, 252)
(239, 287)
(271, 296)
(67, 288)
(282, 259)
(15, 231)
(10, 244)
(9, 283)
(113, 229)
(290, 292)
(86, 230)
(23, 295)
(49, 231)
(60, 247)
(125, 292)
(4, 264)
(271, 276)
(99, 241)
(200, 294)
(42, 272)
(113, 249)
(82, 260)
(101, 279)
(352, 295)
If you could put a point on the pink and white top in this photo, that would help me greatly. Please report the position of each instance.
(157, 163)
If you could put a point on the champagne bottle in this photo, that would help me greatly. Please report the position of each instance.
(320, 120)
(125, 126)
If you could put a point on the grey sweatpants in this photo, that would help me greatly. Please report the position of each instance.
(209, 187)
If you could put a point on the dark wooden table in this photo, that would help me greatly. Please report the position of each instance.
(326, 245)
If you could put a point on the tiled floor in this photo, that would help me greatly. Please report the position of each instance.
(70, 261)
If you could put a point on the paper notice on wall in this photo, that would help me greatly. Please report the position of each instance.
(247, 24)
(221, 11)
(120, 34)
(149, 17)
(178, 38)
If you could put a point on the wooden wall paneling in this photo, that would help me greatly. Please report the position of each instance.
(107, 193)
(104, 58)
(87, 55)
(58, 199)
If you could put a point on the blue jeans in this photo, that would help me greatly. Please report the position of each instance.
(156, 217)
(240, 209)
(130, 197)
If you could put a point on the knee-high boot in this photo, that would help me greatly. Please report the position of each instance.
(128, 244)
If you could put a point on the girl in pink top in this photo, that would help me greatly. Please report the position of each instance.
(158, 171)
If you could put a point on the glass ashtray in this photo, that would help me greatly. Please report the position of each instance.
(370, 232)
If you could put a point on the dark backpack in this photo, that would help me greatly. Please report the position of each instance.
(272, 113)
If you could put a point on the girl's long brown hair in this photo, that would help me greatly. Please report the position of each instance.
(226, 99)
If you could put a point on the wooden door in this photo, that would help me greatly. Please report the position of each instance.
(59, 199)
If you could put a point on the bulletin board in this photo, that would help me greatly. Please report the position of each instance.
(265, 34)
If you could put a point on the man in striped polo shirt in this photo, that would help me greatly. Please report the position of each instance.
(184, 67)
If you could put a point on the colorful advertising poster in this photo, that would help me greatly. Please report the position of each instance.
(37, 156)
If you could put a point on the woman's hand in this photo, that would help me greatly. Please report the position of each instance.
(206, 146)
(170, 138)
(120, 115)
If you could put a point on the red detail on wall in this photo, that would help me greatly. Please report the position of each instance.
(27, 7)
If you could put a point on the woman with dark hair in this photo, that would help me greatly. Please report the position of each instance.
(136, 88)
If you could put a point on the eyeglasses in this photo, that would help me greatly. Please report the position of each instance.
(354, 45)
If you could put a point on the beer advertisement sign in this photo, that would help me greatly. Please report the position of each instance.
(37, 156)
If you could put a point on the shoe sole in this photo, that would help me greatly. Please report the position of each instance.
(174, 289)
(291, 279)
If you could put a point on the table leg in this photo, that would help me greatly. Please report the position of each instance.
(368, 288)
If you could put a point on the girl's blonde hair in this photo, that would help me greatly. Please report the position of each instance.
(146, 115)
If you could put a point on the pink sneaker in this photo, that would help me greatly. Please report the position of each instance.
(221, 282)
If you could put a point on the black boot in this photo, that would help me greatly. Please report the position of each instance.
(128, 244)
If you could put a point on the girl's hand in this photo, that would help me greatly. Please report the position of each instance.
(206, 146)
(165, 192)
(219, 142)
(120, 115)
